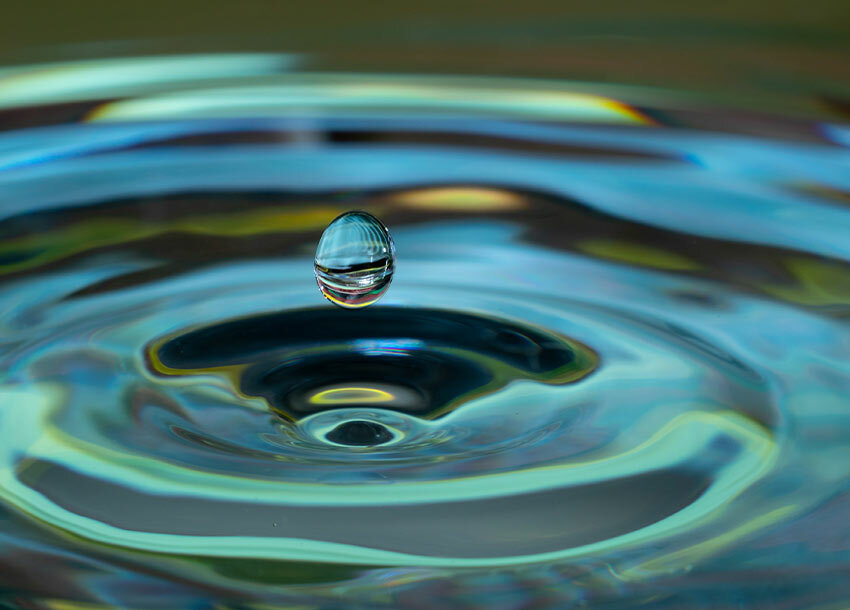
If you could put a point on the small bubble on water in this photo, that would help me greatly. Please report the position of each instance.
(355, 260)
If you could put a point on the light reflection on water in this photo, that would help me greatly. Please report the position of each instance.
(612, 366)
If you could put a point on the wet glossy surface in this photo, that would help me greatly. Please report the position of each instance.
(614, 369)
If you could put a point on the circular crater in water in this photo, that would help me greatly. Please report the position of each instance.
(424, 362)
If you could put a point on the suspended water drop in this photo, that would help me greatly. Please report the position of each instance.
(355, 260)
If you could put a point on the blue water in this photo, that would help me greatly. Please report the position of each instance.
(613, 369)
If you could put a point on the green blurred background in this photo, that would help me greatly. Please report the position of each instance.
(782, 55)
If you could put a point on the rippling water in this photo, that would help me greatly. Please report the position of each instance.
(613, 368)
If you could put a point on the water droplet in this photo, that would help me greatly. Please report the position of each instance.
(355, 260)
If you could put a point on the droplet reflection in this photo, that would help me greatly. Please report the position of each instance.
(355, 260)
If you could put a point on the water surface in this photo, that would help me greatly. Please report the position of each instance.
(612, 368)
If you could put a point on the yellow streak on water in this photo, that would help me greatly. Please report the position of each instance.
(103, 232)
(637, 254)
(461, 199)
(350, 395)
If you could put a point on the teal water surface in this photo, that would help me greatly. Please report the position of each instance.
(613, 369)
